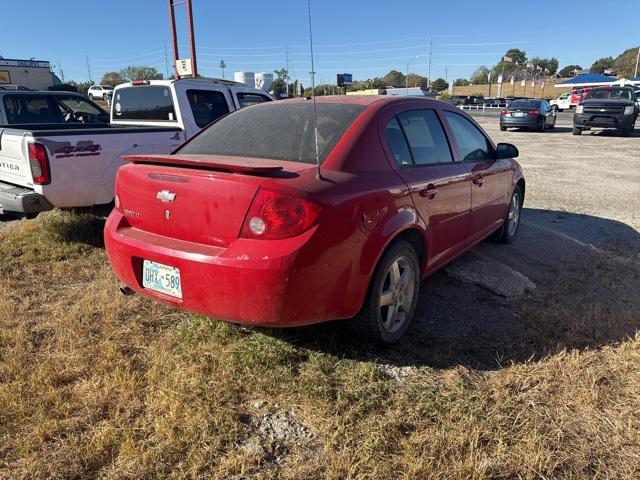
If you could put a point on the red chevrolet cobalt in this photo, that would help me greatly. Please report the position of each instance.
(254, 222)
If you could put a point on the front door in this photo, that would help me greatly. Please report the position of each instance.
(439, 187)
(489, 178)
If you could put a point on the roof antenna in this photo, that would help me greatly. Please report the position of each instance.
(313, 94)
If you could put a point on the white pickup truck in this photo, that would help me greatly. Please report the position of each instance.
(563, 102)
(56, 153)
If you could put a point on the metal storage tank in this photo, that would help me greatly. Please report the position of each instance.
(248, 78)
(264, 81)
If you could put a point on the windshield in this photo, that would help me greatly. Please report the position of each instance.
(51, 109)
(525, 104)
(107, 87)
(280, 131)
(611, 94)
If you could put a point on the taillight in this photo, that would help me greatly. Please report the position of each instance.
(275, 215)
(39, 162)
(504, 113)
(534, 113)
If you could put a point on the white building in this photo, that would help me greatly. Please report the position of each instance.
(34, 74)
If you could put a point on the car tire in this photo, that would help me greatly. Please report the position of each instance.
(511, 224)
(554, 108)
(397, 279)
(577, 131)
(91, 96)
(503, 129)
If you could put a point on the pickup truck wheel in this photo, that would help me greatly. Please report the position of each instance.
(577, 131)
(91, 96)
(554, 108)
(503, 129)
(507, 233)
(391, 299)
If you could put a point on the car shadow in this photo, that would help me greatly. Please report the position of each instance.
(585, 269)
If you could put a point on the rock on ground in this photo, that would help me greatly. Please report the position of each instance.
(494, 276)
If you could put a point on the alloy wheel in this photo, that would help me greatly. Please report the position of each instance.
(396, 294)
(513, 217)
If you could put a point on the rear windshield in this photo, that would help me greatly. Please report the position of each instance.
(280, 131)
(525, 104)
(150, 103)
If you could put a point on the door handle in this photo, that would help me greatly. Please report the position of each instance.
(478, 180)
(429, 192)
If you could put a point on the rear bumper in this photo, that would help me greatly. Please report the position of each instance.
(23, 200)
(528, 121)
(257, 282)
(621, 122)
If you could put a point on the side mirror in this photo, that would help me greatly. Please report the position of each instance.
(506, 150)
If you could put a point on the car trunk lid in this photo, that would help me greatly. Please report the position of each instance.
(195, 198)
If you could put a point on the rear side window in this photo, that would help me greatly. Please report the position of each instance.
(398, 143)
(26, 110)
(427, 141)
(150, 103)
(247, 99)
(207, 106)
(276, 130)
(472, 143)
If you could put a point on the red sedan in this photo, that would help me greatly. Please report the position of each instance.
(254, 222)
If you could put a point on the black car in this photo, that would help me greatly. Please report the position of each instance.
(607, 107)
(533, 114)
(458, 100)
(495, 102)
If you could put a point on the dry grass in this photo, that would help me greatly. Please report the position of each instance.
(512, 90)
(96, 385)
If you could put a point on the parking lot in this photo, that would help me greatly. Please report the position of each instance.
(579, 245)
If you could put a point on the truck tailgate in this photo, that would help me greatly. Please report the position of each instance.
(14, 161)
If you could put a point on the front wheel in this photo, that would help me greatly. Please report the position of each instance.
(390, 304)
(507, 233)
(503, 129)
(577, 131)
(91, 96)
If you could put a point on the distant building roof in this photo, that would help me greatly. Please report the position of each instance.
(587, 79)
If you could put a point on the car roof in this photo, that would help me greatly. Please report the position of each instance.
(38, 92)
(379, 101)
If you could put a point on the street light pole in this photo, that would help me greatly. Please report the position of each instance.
(406, 78)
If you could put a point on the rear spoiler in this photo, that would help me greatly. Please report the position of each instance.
(234, 164)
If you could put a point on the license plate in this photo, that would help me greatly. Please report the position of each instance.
(161, 278)
(518, 114)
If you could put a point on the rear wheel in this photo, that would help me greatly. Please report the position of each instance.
(392, 296)
(577, 131)
(507, 233)
(503, 129)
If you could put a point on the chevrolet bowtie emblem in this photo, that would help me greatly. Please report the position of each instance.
(166, 196)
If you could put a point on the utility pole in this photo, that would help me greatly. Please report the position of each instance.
(174, 35)
(88, 69)
(61, 71)
(635, 75)
(430, 53)
(222, 67)
(286, 66)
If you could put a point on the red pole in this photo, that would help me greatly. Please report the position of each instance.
(174, 35)
(192, 40)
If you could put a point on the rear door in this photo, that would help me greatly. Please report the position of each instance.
(489, 178)
(439, 186)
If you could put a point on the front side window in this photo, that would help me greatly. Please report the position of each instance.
(247, 99)
(149, 103)
(425, 136)
(472, 143)
(207, 106)
(27, 109)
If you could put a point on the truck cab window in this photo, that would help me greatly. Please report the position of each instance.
(247, 99)
(207, 106)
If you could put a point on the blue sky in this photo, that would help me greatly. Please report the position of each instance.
(364, 38)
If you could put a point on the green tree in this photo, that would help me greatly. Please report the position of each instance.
(602, 64)
(283, 74)
(139, 73)
(394, 79)
(278, 87)
(550, 64)
(439, 84)
(625, 64)
(517, 55)
(111, 78)
(479, 77)
(461, 82)
(568, 71)
(415, 80)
